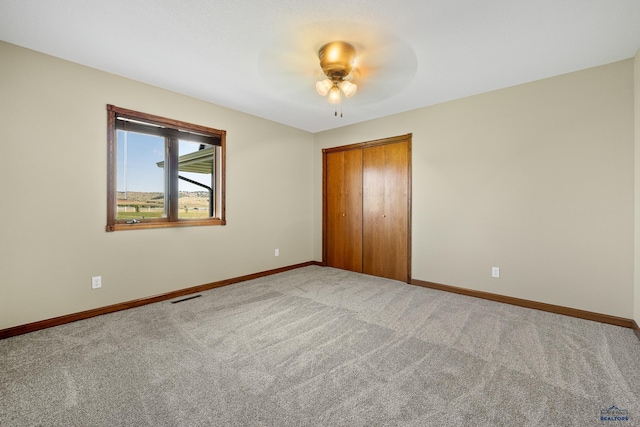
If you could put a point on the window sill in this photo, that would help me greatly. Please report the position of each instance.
(165, 224)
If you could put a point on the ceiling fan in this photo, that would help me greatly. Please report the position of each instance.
(376, 64)
(337, 60)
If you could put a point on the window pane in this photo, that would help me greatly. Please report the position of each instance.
(140, 176)
(195, 184)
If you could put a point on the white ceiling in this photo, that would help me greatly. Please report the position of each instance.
(260, 57)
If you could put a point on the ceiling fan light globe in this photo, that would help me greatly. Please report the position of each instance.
(323, 86)
(334, 95)
(348, 88)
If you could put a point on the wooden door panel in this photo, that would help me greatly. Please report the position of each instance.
(373, 207)
(386, 210)
(343, 214)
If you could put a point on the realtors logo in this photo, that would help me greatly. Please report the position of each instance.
(614, 414)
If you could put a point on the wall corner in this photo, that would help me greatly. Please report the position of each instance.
(636, 133)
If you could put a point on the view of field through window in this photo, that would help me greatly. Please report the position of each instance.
(141, 178)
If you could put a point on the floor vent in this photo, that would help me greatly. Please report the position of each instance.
(185, 299)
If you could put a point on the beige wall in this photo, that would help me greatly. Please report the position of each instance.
(53, 180)
(636, 115)
(535, 179)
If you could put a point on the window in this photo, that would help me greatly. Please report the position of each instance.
(163, 172)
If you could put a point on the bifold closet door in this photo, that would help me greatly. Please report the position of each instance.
(386, 210)
(343, 200)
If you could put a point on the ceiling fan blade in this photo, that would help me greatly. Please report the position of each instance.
(384, 63)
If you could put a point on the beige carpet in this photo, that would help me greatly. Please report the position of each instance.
(319, 346)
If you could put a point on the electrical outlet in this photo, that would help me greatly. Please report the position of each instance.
(495, 271)
(277, 253)
(96, 282)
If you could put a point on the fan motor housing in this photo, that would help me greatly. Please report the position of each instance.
(336, 59)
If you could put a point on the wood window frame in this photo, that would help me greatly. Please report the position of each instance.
(173, 129)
